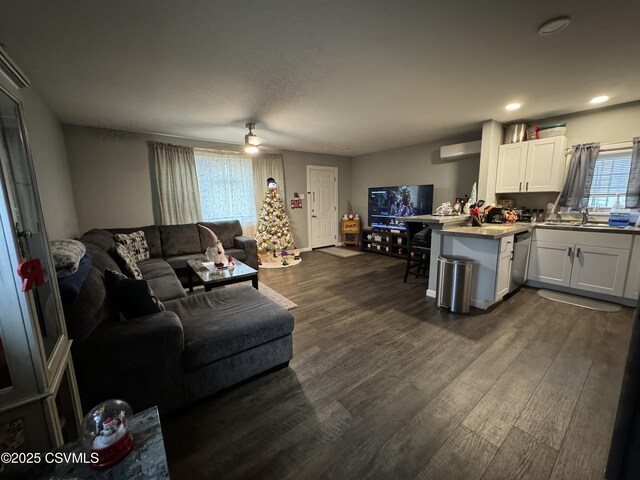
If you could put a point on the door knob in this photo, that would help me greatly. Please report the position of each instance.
(23, 233)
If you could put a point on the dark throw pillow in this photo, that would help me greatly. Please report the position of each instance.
(129, 263)
(136, 243)
(133, 298)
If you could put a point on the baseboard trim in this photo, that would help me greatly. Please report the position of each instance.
(431, 293)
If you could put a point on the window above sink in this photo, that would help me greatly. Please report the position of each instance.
(610, 178)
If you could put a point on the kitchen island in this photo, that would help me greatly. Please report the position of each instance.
(491, 246)
(437, 224)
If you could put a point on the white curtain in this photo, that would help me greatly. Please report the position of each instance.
(177, 184)
(226, 188)
(267, 165)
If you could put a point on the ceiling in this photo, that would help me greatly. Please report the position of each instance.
(331, 76)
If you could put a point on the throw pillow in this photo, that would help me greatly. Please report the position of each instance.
(133, 298)
(129, 262)
(136, 243)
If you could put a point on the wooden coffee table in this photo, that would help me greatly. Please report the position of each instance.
(220, 276)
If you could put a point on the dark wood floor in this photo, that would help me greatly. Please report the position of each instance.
(384, 385)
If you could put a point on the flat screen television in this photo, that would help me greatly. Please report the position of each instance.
(387, 204)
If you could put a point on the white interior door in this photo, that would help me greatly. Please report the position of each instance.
(322, 188)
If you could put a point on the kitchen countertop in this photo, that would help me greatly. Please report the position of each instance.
(437, 219)
(498, 230)
(491, 231)
(590, 227)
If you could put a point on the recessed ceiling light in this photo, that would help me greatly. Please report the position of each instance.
(599, 99)
(513, 106)
(554, 26)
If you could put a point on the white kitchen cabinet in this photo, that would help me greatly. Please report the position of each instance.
(492, 265)
(504, 274)
(551, 262)
(600, 269)
(632, 286)
(584, 261)
(534, 166)
(512, 161)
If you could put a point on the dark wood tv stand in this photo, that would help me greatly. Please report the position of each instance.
(384, 241)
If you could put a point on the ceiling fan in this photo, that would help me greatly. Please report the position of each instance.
(251, 140)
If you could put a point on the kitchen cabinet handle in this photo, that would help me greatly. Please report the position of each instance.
(570, 252)
(527, 187)
(578, 253)
(520, 187)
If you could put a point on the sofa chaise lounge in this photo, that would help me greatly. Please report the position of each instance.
(200, 344)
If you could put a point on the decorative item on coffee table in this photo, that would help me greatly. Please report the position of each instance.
(215, 277)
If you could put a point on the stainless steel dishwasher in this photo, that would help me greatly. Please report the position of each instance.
(521, 243)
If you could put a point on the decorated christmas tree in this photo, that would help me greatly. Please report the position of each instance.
(274, 231)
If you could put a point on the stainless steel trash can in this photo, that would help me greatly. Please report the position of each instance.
(453, 288)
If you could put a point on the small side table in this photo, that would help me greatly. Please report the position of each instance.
(147, 460)
(351, 232)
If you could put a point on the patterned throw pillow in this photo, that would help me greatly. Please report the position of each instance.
(136, 243)
(133, 298)
(129, 262)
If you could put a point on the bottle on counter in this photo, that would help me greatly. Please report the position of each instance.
(619, 216)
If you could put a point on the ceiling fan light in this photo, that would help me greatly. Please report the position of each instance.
(251, 141)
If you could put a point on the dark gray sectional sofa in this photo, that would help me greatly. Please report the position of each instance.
(201, 344)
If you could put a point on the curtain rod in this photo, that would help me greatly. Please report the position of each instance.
(612, 143)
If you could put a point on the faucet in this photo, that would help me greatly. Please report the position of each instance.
(585, 215)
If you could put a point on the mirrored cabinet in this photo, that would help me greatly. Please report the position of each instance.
(39, 404)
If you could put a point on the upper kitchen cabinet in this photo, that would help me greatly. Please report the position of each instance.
(534, 166)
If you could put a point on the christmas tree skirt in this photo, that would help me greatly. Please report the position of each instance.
(270, 262)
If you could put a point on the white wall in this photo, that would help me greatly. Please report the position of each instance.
(114, 185)
(50, 164)
(295, 172)
(111, 179)
(613, 124)
(415, 165)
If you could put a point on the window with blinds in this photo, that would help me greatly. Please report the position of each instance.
(610, 178)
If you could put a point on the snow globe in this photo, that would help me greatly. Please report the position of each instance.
(104, 431)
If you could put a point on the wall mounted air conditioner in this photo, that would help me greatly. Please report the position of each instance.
(460, 150)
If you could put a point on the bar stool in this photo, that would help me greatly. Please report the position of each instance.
(419, 250)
